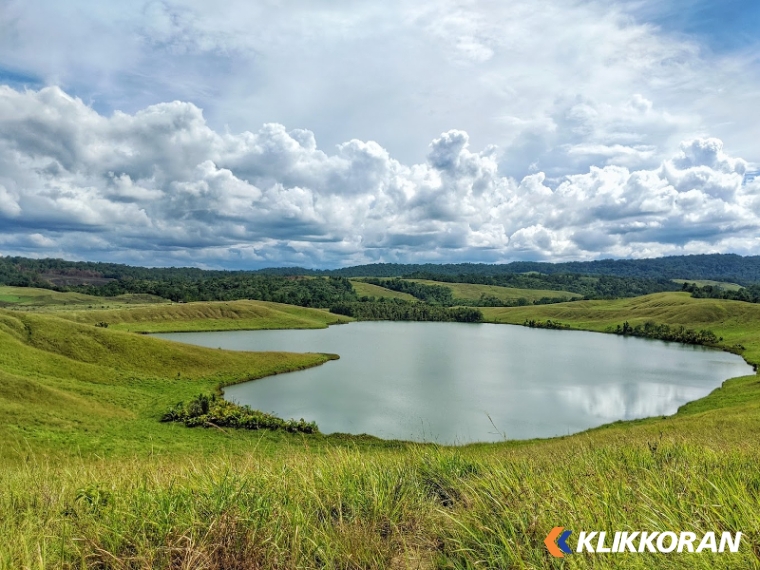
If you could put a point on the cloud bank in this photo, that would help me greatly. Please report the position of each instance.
(552, 82)
(160, 187)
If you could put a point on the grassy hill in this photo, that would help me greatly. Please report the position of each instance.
(69, 388)
(704, 282)
(206, 316)
(32, 298)
(735, 321)
(90, 479)
(473, 292)
(368, 289)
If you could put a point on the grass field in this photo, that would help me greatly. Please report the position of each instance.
(148, 314)
(90, 479)
(737, 322)
(473, 292)
(703, 282)
(368, 289)
(207, 316)
(30, 298)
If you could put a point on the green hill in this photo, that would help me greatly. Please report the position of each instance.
(704, 282)
(33, 298)
(473, 292)
(206, 316)
(735, 321)
(70, 388)
(369, 290)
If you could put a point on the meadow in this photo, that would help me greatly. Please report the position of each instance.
(473, 292)
(29, 298)
(725, 285)
(89, 478)
(369, 290)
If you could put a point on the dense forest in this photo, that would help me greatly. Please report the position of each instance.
(319, 292)
(718, 267)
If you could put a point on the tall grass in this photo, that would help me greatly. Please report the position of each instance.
(427, 507)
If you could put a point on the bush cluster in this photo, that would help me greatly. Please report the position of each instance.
(665, 332)
(547, 324)
(210, 411)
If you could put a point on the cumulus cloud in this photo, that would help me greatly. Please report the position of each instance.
(160, 186)
(561, 84)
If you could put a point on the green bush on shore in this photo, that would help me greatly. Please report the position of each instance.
(653, 330)
(210, 411)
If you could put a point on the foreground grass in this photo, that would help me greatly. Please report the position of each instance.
(90, 479)
(344, 507)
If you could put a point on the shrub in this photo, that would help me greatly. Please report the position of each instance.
(210, 411)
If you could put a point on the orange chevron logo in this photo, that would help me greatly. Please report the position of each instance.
(556, 542)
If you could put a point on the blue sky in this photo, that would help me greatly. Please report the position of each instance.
(723, 26)
(327, 133)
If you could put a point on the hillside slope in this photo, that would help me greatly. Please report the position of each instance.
(735, 321)
(67, 387)
(207, 316)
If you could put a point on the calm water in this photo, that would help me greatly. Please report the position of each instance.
(457, 383)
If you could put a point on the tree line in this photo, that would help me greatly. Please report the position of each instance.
(749, 294)
(400, 310)
(320, 292)
(718, 267)
(653, 330)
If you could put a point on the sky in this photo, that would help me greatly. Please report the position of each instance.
(323, 134)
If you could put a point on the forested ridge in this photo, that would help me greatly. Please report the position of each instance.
(719, 267)
(332, 289)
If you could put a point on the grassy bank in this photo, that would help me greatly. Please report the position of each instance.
(69, 389)
(90, 479)
(737, 322)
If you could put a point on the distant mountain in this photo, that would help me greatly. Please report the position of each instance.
(718, 267)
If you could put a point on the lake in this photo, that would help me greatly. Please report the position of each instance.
(458, 383)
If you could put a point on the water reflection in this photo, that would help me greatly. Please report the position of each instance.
(630, 401)
(456, 383)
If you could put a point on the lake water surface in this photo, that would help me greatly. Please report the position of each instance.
(459, 383)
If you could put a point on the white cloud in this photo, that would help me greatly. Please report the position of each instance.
(161, 186)
(559, 83)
